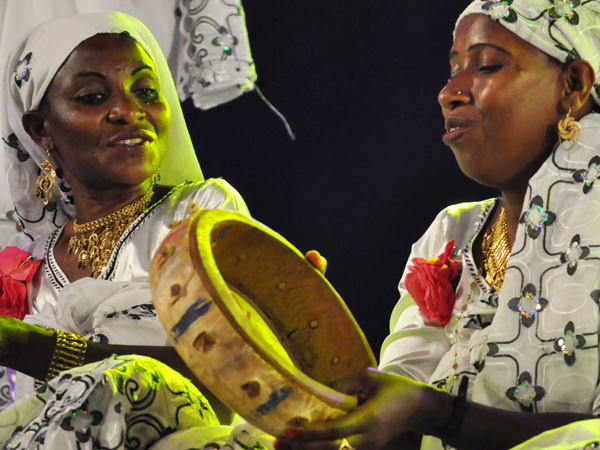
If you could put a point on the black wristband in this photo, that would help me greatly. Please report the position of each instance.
(460, 406)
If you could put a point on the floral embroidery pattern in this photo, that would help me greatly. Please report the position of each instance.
(429, 284)
(22, 70)
(528, 305)
(566, 9)
(592, 446)
(81, 422)
(491, 350)
(500, 9)
(595, 294)
(525, 393)
(589, 175)
(13, 142)
(225, 40)
(536, 218)
(573, 254)
(568, 343)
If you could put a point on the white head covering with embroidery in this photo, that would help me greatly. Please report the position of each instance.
(216, 65)
(31, 68)
(563, 29)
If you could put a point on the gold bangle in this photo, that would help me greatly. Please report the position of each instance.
(69, 352)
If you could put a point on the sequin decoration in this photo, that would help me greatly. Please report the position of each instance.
(500, 9)
(525, 392)
(491, 349)
(98, 338)
(16, 440)
(573, 254)
(22, 70)
(566, 9)
(225, 40)
(568, 343)
(536, 218)
(528, 305)
(588, 176)
(81, 422)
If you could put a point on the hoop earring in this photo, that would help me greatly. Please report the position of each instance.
(44, 187)
(568, 128)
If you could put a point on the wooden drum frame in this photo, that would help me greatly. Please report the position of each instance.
(256, 323)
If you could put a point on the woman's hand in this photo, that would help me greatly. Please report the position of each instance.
(390, 408)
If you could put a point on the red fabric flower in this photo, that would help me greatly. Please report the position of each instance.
(16, 270)
(429, 284)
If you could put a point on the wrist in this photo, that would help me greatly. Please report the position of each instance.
(69, 352)
(459, 409)
(437, 408)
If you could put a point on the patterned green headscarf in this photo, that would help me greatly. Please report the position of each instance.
(563, 29)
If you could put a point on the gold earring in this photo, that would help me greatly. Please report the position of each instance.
(568, 128)
(44, 187)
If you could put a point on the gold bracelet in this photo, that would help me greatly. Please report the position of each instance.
(69, 352)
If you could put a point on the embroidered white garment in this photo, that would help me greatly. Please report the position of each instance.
(534, 346)
(106, 309)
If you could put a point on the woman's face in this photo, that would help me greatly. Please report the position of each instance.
(501, 104)
(107, 117)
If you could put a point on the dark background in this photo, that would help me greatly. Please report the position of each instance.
(368, 172)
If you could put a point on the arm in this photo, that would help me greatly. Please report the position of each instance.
(19, 341)
(394, 406)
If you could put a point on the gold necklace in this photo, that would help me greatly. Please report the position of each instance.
(96, 249)
(495, 250)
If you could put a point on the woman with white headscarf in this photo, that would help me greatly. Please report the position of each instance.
(499, 310)
(100, 164)
(186, 32)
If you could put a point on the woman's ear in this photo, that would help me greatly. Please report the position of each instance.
(579, 82)
(34, 124)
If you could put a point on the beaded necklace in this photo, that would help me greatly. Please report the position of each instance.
(96, 249)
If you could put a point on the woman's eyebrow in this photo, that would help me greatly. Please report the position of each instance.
(88, 74)
(140, 68)
(478, 46)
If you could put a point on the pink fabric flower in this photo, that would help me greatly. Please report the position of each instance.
(16, 270)
(429, 282)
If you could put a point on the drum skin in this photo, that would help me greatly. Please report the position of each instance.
(255, 322)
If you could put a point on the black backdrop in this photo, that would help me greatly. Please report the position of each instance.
(368, 172)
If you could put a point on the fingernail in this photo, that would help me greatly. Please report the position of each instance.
(280, 444)
(292, 433)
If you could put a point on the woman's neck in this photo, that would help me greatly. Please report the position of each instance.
(95, 204)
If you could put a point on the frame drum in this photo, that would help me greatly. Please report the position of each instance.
(258, 325)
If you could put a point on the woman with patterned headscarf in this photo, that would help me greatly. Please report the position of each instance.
(99, 165)
(499, 311)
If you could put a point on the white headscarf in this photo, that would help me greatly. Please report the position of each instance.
(31, 68)
(563, 29)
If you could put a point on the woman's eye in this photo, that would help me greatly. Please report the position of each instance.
(91, 99)
(147, 93)
(490, 68)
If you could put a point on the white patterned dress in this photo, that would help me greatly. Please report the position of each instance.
(533, 346)
(122, 402)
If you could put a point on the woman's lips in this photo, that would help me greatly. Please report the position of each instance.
(454, 134)
(456, 128)
(130, 141)
(129, 145)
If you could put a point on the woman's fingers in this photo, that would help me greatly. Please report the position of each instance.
(315, 258)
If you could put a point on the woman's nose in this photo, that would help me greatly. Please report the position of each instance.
(456, 92)
(127, 109)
